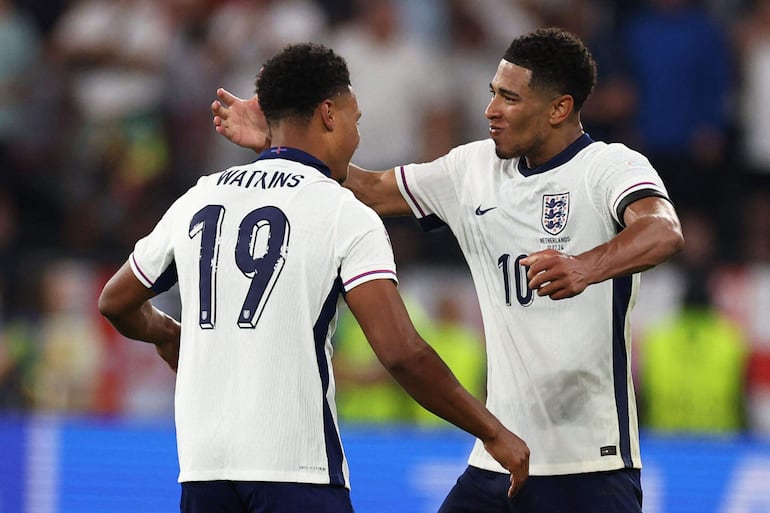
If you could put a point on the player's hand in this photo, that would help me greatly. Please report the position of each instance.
(555, 274)
(240, 121)
(169, 351)
(513, 454)
(168, 348)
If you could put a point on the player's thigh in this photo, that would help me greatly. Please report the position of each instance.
(617, 491)
(481, 491)
(294, 498)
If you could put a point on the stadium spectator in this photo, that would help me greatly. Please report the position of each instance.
(608, 113)
(680, 63)
(379, 50)
(472, 48)
(693, 362)
(112, 56)
(19, 56)
(752, 42)
(460, 347)
(69, 355)
(366, 393)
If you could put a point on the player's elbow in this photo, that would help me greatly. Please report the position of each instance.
(108, 304)
(671, 241)
(407, 358)
(677, 243)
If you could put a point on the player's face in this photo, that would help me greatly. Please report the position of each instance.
(518, 115)
(351, 114)
(347, 116)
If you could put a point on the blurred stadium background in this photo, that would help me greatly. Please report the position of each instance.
(104, 120)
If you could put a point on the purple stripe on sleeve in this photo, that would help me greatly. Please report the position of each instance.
(406, 187)
(378, 271)
(136, 266)
(637, 185)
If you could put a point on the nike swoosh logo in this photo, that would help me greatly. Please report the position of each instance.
(480, 212)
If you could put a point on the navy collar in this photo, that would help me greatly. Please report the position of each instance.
(283, 152)
(561, 158)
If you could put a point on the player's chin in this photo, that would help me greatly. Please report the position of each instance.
(504, 153)
(503, 150)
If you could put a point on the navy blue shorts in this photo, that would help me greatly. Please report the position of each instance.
(263, 497)
(482, 491)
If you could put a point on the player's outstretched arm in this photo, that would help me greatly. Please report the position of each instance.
(378, 190)
(420, 371)
(125, 302)
(240, 121)
(652, 235)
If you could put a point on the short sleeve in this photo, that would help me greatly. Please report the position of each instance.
(365, 250)
(152, 260)
(430, 189)
(627, 176)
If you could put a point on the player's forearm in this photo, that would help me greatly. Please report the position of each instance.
(430, 382)
(364, 184)
(378, 190)
(145, 323)
(642, 245)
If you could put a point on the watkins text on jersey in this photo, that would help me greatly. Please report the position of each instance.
(258, 178)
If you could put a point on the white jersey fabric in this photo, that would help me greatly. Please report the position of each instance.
(559, 372)
(262, 253)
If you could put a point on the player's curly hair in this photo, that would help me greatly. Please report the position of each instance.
(293, 82)
(558, 60)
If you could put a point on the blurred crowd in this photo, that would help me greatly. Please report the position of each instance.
(104, 120)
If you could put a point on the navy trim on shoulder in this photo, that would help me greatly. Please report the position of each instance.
(563, 157)
(634, 196)
(282, 152)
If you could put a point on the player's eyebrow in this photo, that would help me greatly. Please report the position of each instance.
(503, 91)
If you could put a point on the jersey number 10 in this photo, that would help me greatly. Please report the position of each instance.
(524, 294)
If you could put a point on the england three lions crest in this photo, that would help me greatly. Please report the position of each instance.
(555, 212)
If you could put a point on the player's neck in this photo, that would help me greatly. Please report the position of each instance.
(313, 142)
(559, 142)
(295, 135)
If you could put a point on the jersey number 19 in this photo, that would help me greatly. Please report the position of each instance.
(260, 254)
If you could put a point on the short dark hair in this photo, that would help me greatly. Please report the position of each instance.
(293, 82)
(558, 60)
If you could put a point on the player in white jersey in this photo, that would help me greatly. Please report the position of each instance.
(540, 212)
(578, 414)
(262, 253)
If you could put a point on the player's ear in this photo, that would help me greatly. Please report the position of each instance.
(561, 107)
(326, 111)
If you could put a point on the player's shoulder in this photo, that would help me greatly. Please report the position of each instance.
(354, 221)
(617, 152)
(471, 153)
(352, 206)
(614, 157)
(328, 199)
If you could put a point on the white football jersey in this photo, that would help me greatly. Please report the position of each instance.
(262, 253)
(559, 372)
